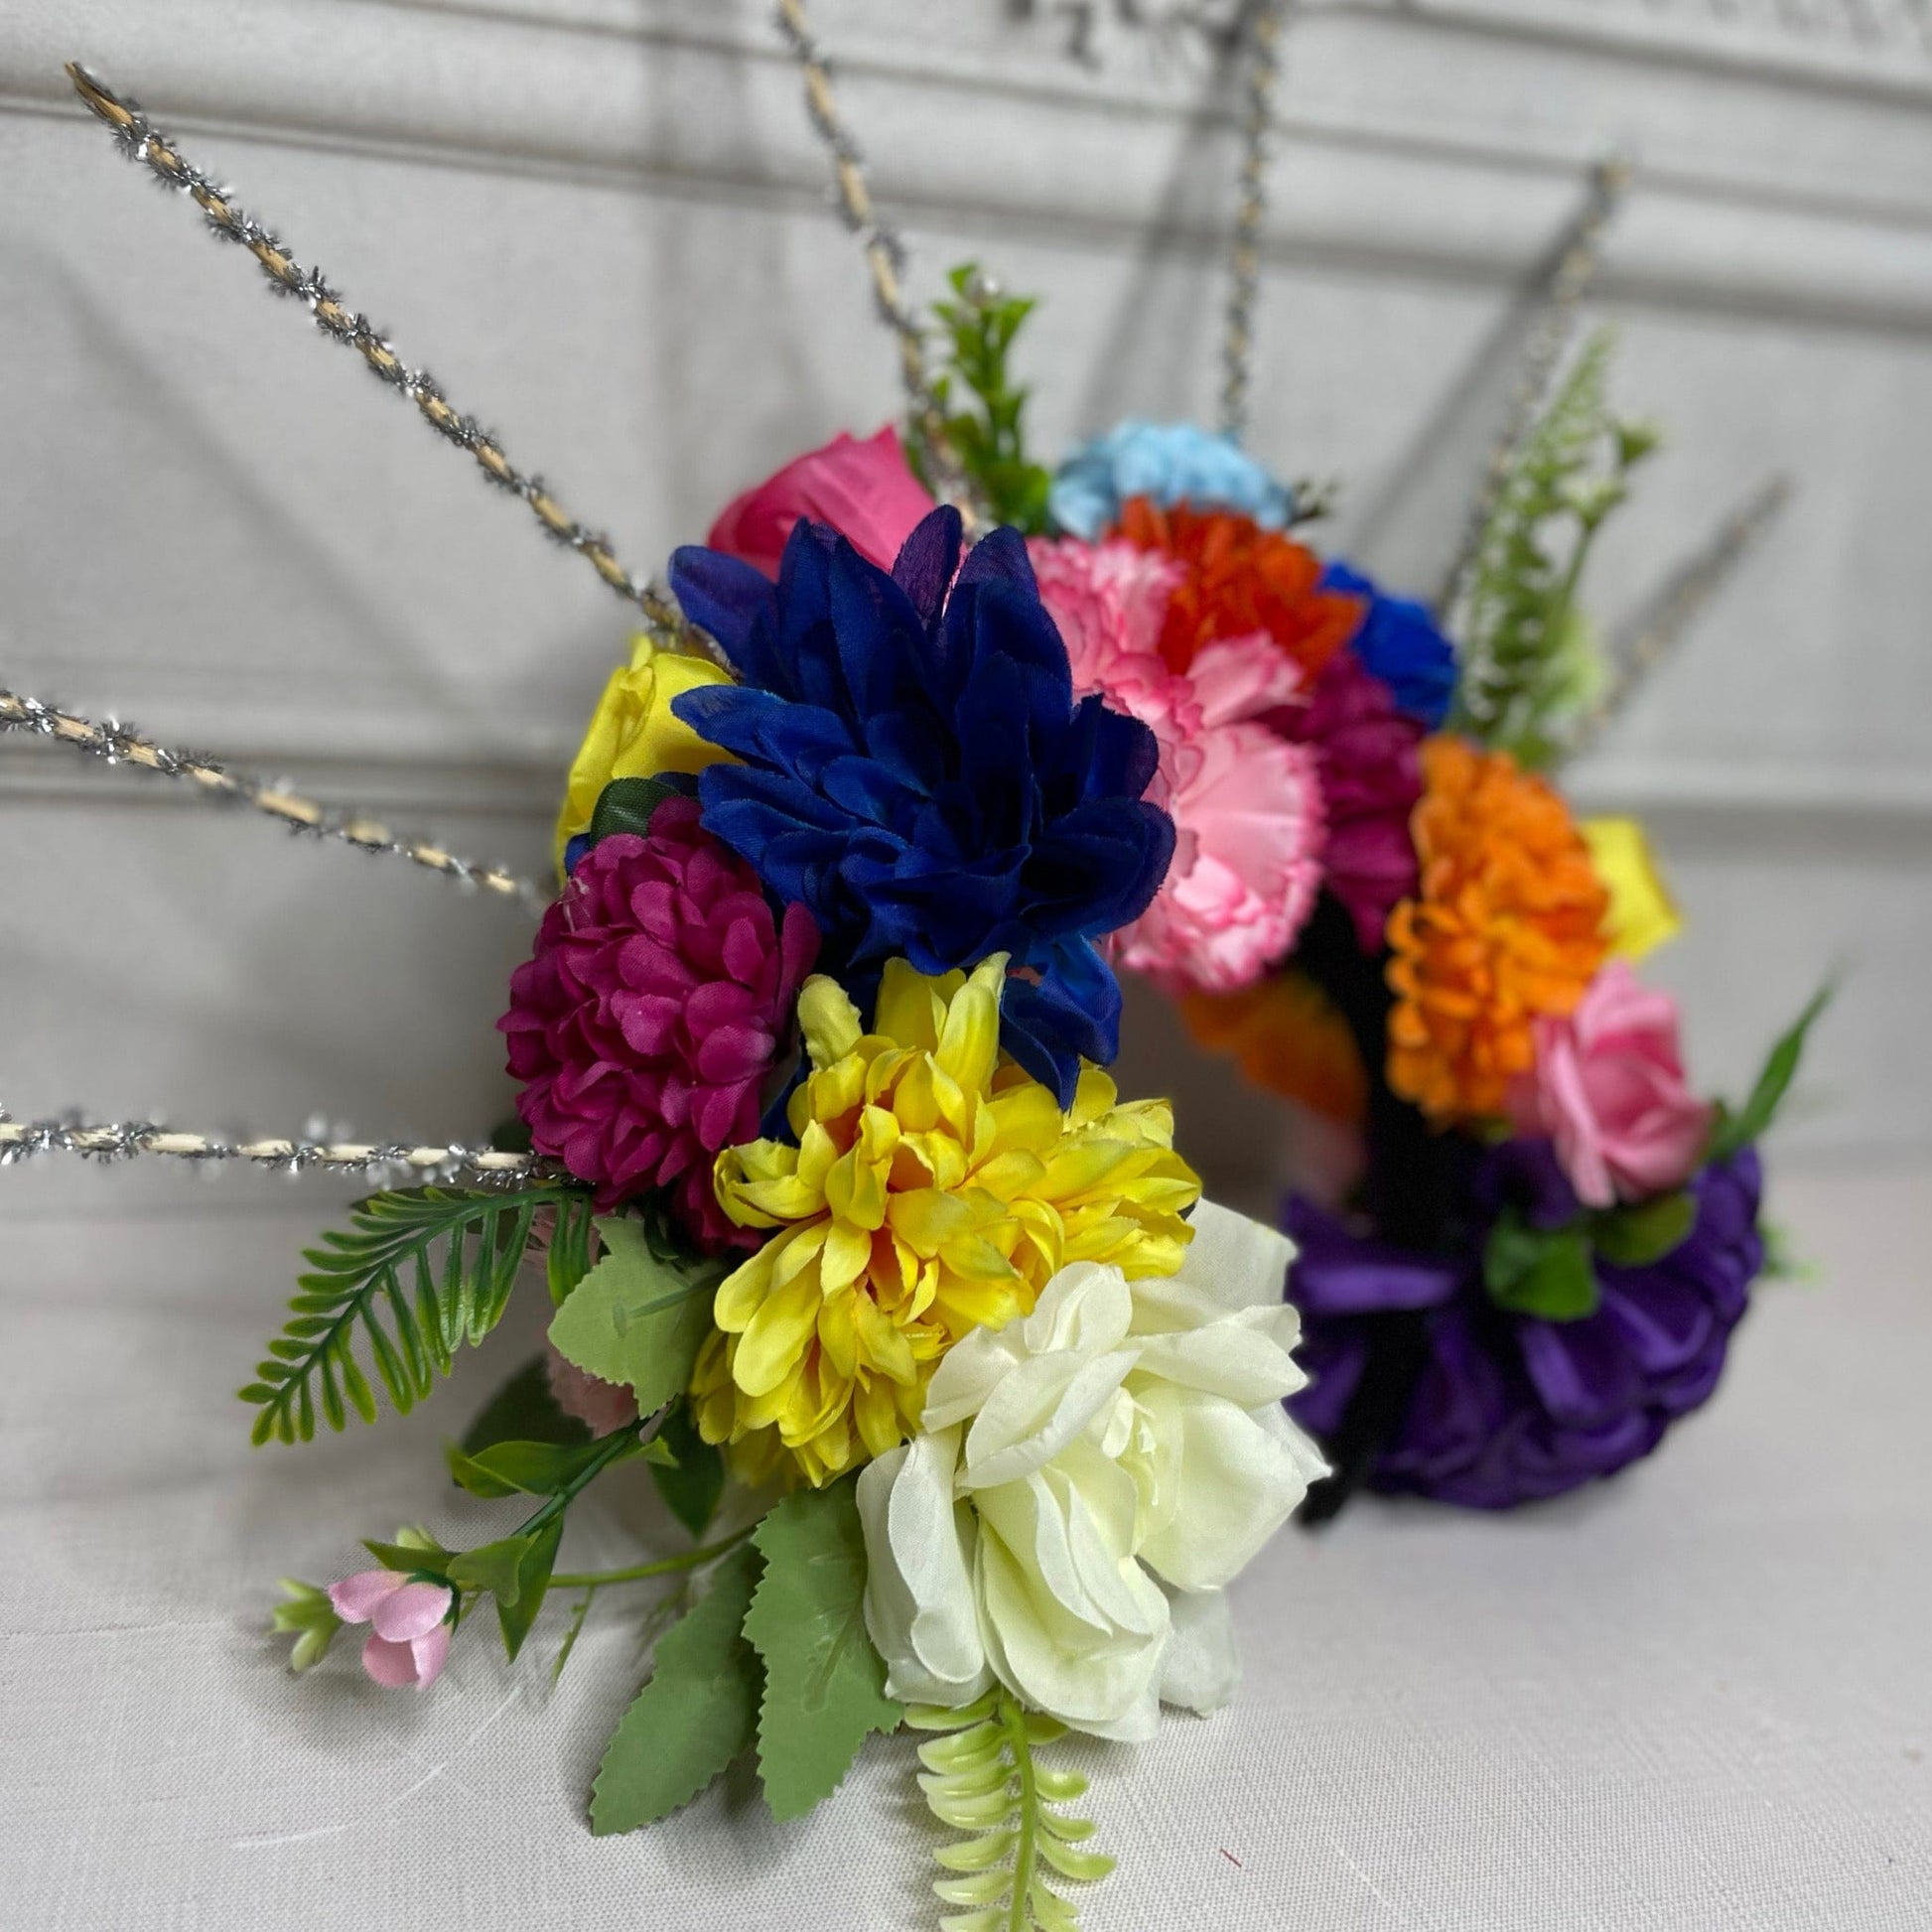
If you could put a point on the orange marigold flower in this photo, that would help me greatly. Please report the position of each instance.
(1287, 1037)
(1241, 578)
(1507, 924)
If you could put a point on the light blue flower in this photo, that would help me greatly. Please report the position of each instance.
(1172, 463)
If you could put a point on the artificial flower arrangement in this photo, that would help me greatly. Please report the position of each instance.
(971, 1406)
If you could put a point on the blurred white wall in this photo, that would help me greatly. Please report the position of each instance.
(602, 224)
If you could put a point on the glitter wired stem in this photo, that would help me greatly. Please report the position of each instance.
(140, 140)
(123, 1140)
(1244, 256)
(116, 745)
(884, 250)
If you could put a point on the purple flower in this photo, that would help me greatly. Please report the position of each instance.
(1509, 1408)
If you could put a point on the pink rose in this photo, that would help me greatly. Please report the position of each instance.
(864, 491)
(409, 1635)
(1608, 1089)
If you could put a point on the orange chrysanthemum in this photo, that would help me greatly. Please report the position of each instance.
(1287, 1037)
(1240, 579)
(1507, 924)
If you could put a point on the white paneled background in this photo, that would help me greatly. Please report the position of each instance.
(602, 224)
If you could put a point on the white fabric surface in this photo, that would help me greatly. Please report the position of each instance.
(1699, 1696)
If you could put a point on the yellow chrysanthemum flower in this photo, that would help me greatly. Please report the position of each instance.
(934, 1189)
(632, 733)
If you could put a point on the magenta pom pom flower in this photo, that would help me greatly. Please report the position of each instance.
(644, 1024)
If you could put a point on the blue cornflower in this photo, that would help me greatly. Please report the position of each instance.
(914, 770)
(1172, 463)
(1399, 643)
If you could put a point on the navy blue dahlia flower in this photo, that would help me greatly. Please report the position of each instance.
(1402, 645)
(914, 770)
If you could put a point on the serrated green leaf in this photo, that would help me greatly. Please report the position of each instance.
(524, 1410)
(1538, 1271)
(824, 1683)
(637, 1318)
(691, 1478)
(1737, 1131)
(1636, 1236)
(696, 1714)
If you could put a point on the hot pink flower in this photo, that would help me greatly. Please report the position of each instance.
(409, 1639)
(647, 1021)
(1608, 1089)
(1372, 778)
(864, 491)
(1246, 809)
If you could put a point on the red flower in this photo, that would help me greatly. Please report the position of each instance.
(644, 1026)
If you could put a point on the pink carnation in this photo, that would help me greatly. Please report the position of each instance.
(1372, 778)
(1608, 1089)
(657, 1003)
(864, 491)
(1245, 803)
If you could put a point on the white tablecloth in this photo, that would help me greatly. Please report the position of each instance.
(1699, 1696)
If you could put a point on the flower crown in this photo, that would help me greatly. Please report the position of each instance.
(970, 1406)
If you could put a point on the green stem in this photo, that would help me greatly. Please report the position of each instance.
(625, 1442)
(638, 1572)
(1013, 1722)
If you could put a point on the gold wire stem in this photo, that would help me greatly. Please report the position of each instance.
(1244, 255)
(140, 140)
(117, 745)
(884, 252)
(123, 1140)
(1660, 625)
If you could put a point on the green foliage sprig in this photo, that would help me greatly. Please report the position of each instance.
(984, 435)
(980, 1777)
(413, 1310)
(1531, 667)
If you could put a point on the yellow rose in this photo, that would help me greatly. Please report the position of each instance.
(634, 734)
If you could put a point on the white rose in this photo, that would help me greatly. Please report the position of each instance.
(1084, 1483)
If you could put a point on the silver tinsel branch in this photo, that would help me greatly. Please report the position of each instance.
(123, 1140)
(1647, 639)
(119, 744)
(140, 140)
(884, 250)
(1244, 258)
(1573, 269)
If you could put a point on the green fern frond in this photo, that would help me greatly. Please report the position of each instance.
(980, 1777)
(1530, 661)
(412, 1312)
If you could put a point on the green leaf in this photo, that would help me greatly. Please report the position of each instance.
(694, 1480)
(378, 1282)
(1737, 1131)
(493, 1566)
(309, 1617)
(697, 1713)
(638, 1318)
(626, 804)
(518, 1612)
(824, 1683)
(1634, 1237)
(1533, 1271)
(524, 1410)
(573, 1245)
(522, 1468)
(413, 1549)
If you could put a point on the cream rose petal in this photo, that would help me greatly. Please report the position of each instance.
(920, 1610)
(1201, 1670)
(1239, 1478)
